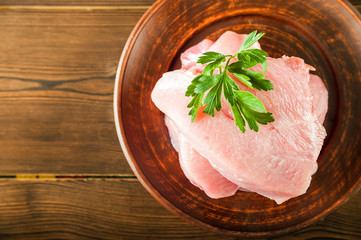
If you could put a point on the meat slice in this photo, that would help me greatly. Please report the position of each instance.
(317, 87)
(197, 168)
(279, 160)
(190, 57)
(230, 42)
(233, 40)
(320, 97)
(173, 133)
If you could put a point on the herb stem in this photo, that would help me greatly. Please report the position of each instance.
(229, 59)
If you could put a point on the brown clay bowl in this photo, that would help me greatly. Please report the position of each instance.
(327, 34)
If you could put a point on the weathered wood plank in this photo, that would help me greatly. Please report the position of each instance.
(126, 3)
(86, 209)
(92, 3)
(57, 72)
(355, 2)
(43, 136)
(113, 209)
(63, 45)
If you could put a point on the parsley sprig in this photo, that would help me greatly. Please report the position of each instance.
(244, 105)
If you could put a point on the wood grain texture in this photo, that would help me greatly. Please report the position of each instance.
(57, 68)
(57, 71)
(63, 45)
(80, 139)
(126, 3)
(87, 3)
(86, 209)
(120, 209)
(355, 2)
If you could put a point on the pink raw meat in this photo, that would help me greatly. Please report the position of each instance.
(276, 162)
(320, 97)
(317, 88)
(197, 168)
(230, 42)
(190, 57)
(173, 133)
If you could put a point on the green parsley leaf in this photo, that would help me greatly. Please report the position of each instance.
(194, 104)
(205, 83)
(255, 79)
(255, 56)
(210, 57)
(208, 70)
(228, 86)
(191, 88)
(250, 101)
(243, 78)
(251, 39)
(238, 119)
(252, 110)
(213, 100)
(245, 106)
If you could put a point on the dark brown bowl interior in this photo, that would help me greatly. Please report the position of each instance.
(327, 34)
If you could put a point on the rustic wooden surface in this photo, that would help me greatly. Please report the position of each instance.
(57, 68)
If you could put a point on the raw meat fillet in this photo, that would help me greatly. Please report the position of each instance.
(190, 57)
(320, 97)
(173, 132)
(317, 87)
(197, 168)
(230, 42)
(279, 160)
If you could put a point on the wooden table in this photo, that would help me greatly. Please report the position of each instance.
(63, 174)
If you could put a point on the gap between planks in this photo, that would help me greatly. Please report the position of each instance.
(44, 176)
